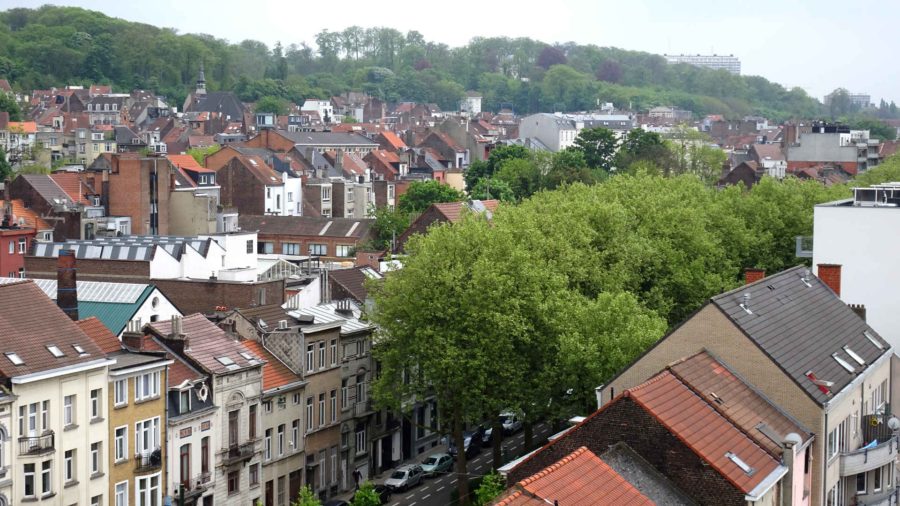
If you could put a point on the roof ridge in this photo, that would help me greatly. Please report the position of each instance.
(553, 467)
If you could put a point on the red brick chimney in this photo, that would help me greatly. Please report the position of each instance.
(752, 275)
(830, 274)
(66, 284)
(369, 258)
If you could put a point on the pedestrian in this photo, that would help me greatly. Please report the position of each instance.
(357, 476)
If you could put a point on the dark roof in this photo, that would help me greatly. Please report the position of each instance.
(328, 139)
(29, 322)
(102, 337)
(270, 314)
(800, 324)
(307, 226)
(47, 188)
(127, 136)
(353, 281)
(744, 406)
(224, 102)
(207, 343)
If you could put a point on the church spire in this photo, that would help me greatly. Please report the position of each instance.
(201, 81)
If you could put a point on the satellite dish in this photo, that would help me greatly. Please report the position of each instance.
(793, 438)
(894, 423)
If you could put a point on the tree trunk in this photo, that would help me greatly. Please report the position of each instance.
(497, 441)
(529, 437)
(462, 477)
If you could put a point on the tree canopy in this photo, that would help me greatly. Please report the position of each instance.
(422, 194)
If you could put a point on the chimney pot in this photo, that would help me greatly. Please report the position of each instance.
(752, 275)
(830, 274)
(859, 309)
(66, 284)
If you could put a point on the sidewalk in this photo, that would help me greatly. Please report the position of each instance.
(378, 479)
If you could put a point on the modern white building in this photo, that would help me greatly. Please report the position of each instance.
(713, 61)
(470, 105)
(859, 234)
(558, 131)
(323, 107)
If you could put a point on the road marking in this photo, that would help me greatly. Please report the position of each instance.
(424, 488)
(424, 497)
(441, 488)
(412, 503)
(395, 504)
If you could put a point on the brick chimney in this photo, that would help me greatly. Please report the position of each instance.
(830, 274)
(752, 275)
(369, 259)
(66, 284)
(132, 338)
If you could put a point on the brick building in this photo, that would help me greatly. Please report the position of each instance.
(330, 239)
(449, 212)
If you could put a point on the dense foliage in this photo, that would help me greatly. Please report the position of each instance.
(52, 46)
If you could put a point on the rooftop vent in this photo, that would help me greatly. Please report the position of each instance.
(282, 324)
(745, 305)
(805, 278)
(749, 471)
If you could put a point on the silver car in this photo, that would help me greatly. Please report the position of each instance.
(405, 477)
(437, 464)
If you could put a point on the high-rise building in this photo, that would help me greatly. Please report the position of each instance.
(715, 61)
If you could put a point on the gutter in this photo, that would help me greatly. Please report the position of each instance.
(62, 371)
(768, 482)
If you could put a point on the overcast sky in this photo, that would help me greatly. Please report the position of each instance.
(819, 45)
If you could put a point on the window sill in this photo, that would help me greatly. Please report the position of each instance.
(48, 495)
(29, 499)
(70, 484)
(120, 462)
(97, 420)
(146, 399)
(67, 428)
(120, 406)
(97, 475)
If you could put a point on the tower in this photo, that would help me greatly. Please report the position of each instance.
(201, 81)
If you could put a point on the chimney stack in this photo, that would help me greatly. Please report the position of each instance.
(830, 274)
(66, 284)
(859, 309)
(752, 275)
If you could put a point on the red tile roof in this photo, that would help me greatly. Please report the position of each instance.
(179, 371)
(74, 185)
(31, 218)
(580, 478)
(260, 170)
(29, 322)
(102, 336)
(393, 140)
(453, 210)
(22, 127)
(703, 430)
(275, 373)
(187, 162)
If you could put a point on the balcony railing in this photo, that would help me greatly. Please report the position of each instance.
(866, 459)
(362, 408)
(238, 452)
(148, 461)
(192, 486)
(36, 445)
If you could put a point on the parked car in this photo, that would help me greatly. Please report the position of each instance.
(384, 493)
(512, 422)
(437, 464)
(404, 477)
(471, 444)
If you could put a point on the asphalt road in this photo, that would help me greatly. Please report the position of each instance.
(436, 491)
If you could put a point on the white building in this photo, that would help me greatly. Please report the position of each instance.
(713, 61)
(859, 234)
(558, 131)
(284, 196)
(323, 107)
(471, 104)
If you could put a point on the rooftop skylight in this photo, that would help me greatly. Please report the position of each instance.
(247, 355)
(846, 365)
(79, 349)
(856, 358)
(55, 351)
(740, 463)
(872, 340)
(14, 358)
(225, 361)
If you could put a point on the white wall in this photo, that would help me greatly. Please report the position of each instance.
(164, 309)
(294, 205)
(865, 242)
(236, 246)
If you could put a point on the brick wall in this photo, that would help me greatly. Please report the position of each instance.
(272, 140)
(203, 296)
(304, 241)
(68, 226)
(129, 191)
(240, 189)
(626, 422)
(118, 271)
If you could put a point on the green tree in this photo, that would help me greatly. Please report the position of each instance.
(522, 175)
(306, 497)
(200, 154)
(498, 156)
(488, 188)
(492, 485)
(388, 226)
(598, 145)
(366, 496)
(274, 105)
(639, 144)
(8, 104)
(6, 170)
(422, 194)
(566, 167)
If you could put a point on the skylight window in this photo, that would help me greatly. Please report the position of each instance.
(79, 349)
(14, 358)
(859, 360)
(225, 361)
(55, 351)
(740, 463)
(846, 365)
(247, 356)
(872, 340)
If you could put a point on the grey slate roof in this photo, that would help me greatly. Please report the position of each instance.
(224, 102)
(325, 139)
(47, 188)
(326, 316)
(800, 327)
(132, 247)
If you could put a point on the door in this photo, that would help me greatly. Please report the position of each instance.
(185, 455)
(269, 494)
(294, 484)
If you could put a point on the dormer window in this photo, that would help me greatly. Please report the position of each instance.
(55, 351)
(184, 401)
(14, 358)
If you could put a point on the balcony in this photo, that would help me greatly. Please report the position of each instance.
(148, 461)
(238, 453)
(193, 486)
(866, 459)
(37, 445)
(886, 498)
(361, 409)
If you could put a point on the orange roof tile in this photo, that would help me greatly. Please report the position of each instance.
(102, 336)
(30, 217)
(392, 139)
(187, 162)
(582, 478)
(689, 418)
(74, 186)
(24, 127)
(275, 373)
(453, 210)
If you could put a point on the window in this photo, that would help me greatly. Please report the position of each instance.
(29, 480)
(333, 406)
(184, 401)
(250, 246)
(295, 434)
(318, 249)
(343, 250)
(321, 354)
(334, 348)
(321, 409)
(254, 475)
(146, 436)
(390, 191)
(296, 399)
(326, 194)
(268, 192)
(309, 414)
(121, 392)
(45, 415)
(23, 245)
(349, 194)
(95, 458)
(204, 455)
(290, 196)
(95, 404)
(876, 479)
(345, 395)
(68, 410)
(281, 491)
(233, 482)
(333, 464)
(265, 248)
(69, 466)
(277, 201)
(146, 386)
(12, 247)
(268, 445)
(310, 352)
(281, 440)
(860, 483)
(879, 394)
(253, 421)
(122, 494)
(121, 443)
(360, 439)
(148, 491)
(96, 500)
(322, 468)
(267, 406)
(290, 248)
(361, 388)
(46, 485)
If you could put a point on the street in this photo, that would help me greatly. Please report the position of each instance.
(437, 491)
